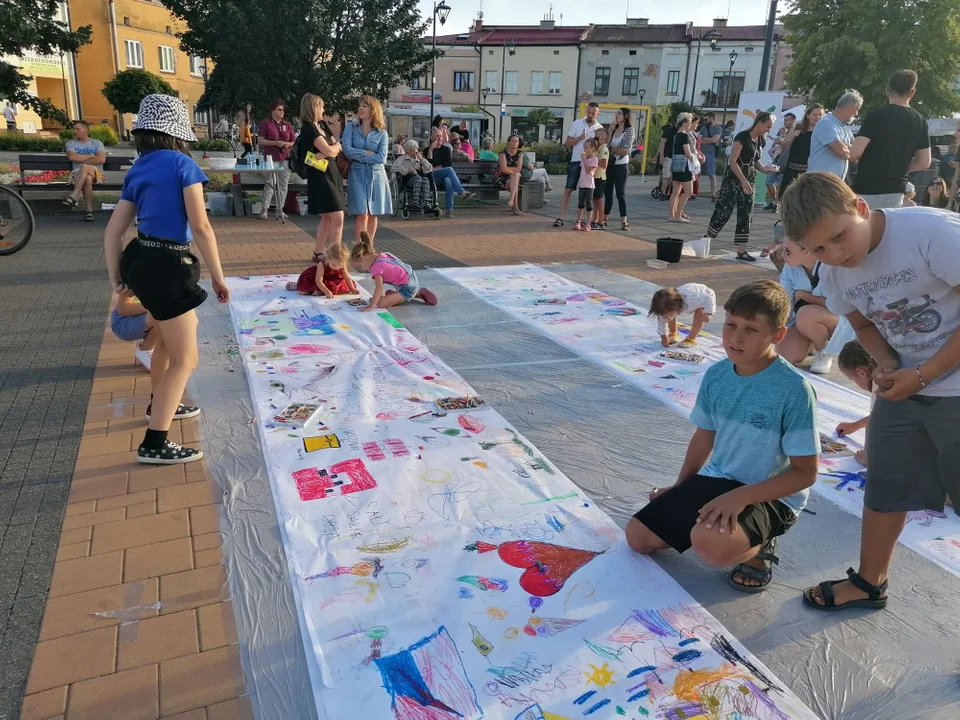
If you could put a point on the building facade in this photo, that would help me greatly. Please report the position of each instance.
(132, 34)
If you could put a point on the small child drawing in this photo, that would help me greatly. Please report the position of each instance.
(857, 366)
(384, 268)
(333, 280)
(669, 303)
(130, 322)
(588, 168)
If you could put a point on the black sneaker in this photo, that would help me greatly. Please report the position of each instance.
(183, 411)
(168, 454)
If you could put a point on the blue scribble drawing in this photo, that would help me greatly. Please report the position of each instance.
(849, 480)
(688, 641)
(318, 324)
(583, 698)
(687, 656)
(592, 710)
(553, 522)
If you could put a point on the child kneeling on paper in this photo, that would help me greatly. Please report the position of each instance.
(385, 268)
(750, 463)
(895, 275)
(668, 303)
(330, 276)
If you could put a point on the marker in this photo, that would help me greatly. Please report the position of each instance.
(420, 415)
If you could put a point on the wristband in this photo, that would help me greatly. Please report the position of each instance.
(920, 378)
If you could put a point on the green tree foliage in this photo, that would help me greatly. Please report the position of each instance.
(338, 49)
(840, 44)
(541, 116)
(129, 87)
(467, 109)
(32, 25)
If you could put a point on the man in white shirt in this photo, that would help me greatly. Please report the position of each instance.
(10, 115)
(580, 130)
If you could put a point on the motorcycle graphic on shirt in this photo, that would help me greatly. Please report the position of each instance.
(900, 319)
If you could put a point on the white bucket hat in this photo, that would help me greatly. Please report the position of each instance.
(166, 114)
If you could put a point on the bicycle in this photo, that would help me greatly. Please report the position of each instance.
(16, 222)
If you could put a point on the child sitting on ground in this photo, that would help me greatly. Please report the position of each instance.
(668, 303)
(586, 184)
(335, 278)
(894, 273)
(857, 366)
(909, 195)
(385, 268)
(753, 457)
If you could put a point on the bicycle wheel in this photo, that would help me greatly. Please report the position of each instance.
(16, 222)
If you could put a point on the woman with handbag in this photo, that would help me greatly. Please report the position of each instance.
(318, 146)
(365, 145)
(684, 165)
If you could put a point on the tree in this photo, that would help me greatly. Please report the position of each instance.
(541, 116)
(338, 49)
(129, 87)
(32, 25)
(467, 109)
(840, 44)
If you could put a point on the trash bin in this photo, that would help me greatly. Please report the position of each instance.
(221, 204)
(669, 249)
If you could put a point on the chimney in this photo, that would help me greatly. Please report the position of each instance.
(547, 24)
(638, 22)
(719, 22)
(477, 25)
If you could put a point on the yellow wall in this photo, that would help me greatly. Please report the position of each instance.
(145, 21)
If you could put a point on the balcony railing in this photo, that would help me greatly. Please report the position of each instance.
(729, 99)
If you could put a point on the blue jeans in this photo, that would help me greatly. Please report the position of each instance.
(451, 184)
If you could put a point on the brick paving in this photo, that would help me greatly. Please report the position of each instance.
(137, 622)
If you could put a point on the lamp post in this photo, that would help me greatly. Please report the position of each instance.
(713, 36)
(726, 95)
(443, 10)
(508, 46)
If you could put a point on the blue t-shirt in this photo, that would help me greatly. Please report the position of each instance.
(760, 421)
(155, 185)
(822, 157)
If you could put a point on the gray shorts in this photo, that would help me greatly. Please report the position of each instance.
(913, 447)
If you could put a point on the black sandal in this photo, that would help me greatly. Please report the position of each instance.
(873, 601)
(70, 201)
(558, 222)
(89, 217)
(746, 257)
(761, 576)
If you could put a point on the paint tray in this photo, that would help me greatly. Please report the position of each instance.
(297, 415)
(833, 448)
(459, 403)
(682, 356)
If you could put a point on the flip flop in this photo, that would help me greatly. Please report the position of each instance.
(873, 601)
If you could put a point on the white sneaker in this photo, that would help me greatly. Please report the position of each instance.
(822, 363)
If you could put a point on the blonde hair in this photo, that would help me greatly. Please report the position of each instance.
(336, 255)
(684, 117)
(310, 108)
(812, 197)
(364, 248)
(376, 112)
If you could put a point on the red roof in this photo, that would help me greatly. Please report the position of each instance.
(635, 34)
(519, 34)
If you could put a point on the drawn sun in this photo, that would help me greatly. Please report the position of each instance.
(600, 676)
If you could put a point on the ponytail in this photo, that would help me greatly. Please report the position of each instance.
(364, 248)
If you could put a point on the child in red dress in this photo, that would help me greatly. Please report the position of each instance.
(335, 279)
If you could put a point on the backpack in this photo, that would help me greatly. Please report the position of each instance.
(295, 159)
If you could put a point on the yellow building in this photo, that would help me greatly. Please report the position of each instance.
(132, 34)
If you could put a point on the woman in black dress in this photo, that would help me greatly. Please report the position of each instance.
(795, 150)
(324, 187)
(684, 151)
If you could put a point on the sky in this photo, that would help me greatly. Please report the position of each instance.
(584, 12)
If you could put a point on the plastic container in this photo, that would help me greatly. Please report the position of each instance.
(669, 249)
(302, 204)
(701, 247)
(222, 163)
(657, 264)
(221, 204)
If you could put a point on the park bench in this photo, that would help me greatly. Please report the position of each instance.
(42, 163)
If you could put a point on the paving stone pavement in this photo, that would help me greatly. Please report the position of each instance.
(53, 299)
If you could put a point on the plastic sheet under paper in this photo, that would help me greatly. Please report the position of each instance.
(444, 567)
(621, 338)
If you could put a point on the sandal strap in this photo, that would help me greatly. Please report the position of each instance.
(873, 591)
(826, 593)
(767, 552)
(763, 576)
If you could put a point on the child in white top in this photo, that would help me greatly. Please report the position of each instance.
(668, 303)
(857, 366)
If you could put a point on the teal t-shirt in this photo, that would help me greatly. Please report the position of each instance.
(760, 421)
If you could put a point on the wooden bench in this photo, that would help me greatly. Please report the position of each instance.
(114, 163)
(477, 177)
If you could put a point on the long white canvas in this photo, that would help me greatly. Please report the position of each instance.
(621, 338)
(443, 567)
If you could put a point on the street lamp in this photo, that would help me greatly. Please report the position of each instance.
(713, 36)
(442, 10)
(726, 94)
(508, 47)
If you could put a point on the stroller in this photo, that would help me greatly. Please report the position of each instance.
(417, 195)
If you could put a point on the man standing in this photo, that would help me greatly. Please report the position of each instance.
(665, 157)
(832, 137)
(276, 137)
(894, 140)
(710, 134)
(10, 115)
(776, 152)
(87, 156)
(580, 130)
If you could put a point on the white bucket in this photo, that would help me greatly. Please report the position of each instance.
(302, 204)
(701, 247)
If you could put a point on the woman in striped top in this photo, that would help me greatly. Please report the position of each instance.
(622, 138)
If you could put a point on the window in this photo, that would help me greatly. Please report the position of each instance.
(726, 88)
(556, 80)
(536, 82)
(134, 53)
(510, 81)
(633, 52)
(199, 116)
(604, 52)
(491, 80)
(673, 82)
(167, 59)
(631, 79)
(601, 83)
(418, 82)
(463, 81)
(196, 65)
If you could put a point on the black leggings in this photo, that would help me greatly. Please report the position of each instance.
(732, 196)
(616, 178)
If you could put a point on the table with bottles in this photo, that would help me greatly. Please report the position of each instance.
(269, 170)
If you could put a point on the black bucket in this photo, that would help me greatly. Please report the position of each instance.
(669, 249)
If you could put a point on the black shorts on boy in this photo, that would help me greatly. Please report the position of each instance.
(585, 199)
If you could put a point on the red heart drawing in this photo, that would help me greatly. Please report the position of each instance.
(547, 567)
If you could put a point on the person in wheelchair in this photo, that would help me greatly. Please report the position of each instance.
(414, 173)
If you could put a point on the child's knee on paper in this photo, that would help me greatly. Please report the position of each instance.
(641, 539)
(718, 549)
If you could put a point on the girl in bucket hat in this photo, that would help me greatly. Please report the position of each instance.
(164, 191)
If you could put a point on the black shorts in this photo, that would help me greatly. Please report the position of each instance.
(585, 199)
(672, 515)
(599, 185)
(163, 279)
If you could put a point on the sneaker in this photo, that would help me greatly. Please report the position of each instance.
(448, 213)
(428, 296)
(822, 363)
(168, 454)
(468, 196)
(183, 411)
(576, 226)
